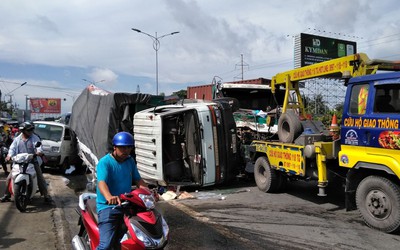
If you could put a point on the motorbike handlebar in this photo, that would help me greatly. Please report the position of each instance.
(125, 203)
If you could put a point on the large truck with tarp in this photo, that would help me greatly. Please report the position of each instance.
(97, 115)
(362, 151)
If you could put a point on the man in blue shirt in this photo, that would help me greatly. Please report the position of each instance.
(116, 172)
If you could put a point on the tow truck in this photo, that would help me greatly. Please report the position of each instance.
(363, 151)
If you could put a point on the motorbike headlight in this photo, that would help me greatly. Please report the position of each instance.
(147, 241)
(148, 200)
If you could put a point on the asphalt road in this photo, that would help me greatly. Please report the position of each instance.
(234, 217)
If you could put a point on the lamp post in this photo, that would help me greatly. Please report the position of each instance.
(9, 93)
(72, 96)
(92, 82)
(26, 113)
(156, 47)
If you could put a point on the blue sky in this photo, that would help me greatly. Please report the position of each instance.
(52, 45)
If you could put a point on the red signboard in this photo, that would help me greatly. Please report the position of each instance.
(45, 105)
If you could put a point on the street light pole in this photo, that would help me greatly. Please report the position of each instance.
(156, 47)
(73, 97)
(92, 82)
(9, 93)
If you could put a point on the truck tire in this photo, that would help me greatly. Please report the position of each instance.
(378, 201)
(282, 180)
(267, 179)
(289, 127)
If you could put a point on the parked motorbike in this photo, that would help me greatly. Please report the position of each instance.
(23, 184)
(145, 227)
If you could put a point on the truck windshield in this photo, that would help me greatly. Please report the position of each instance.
(255, 99)
(48, 132)
(387, 98)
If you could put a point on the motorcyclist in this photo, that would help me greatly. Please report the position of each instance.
(115, 174)
(3, 149)
(25, 143)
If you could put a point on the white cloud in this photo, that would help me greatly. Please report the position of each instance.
(95, 41)
(103, 76)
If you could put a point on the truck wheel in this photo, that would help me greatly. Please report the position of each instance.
(282, 180)
(267, 179)
(378, 201)
(289, 127)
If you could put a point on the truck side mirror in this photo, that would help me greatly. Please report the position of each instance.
(38, 144)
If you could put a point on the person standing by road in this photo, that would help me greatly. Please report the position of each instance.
(25, 143)
(116, 172)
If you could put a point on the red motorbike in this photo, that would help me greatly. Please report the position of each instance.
(145, 227)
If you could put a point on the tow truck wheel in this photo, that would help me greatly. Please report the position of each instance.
(289, 127)
(378, 201)
(267, 179)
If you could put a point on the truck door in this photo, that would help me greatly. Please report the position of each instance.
(66, 144)
(355, 110)
(386, 113)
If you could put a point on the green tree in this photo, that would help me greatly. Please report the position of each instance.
(316, 106)
(181, 93)
(6, 108)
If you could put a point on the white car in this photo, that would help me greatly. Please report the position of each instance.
(58, 144)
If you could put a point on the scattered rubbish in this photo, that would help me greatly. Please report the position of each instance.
(241, 191)
(70, 169)
(66, 181)
(205, 195)
(185, 195)
(169, 195)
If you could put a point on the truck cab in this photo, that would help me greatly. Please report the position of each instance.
(190, 143)
(370, 144)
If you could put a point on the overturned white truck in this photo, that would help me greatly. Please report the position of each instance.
(191, 144)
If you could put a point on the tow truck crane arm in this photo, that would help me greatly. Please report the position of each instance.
(344, 67)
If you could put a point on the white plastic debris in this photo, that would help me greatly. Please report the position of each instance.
(70, 169)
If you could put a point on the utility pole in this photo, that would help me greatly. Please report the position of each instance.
(26, 102)
(242, 65)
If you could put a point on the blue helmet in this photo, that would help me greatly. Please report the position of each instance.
(123, 139)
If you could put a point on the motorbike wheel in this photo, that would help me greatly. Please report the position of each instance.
(86, 239)
(20, 199)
